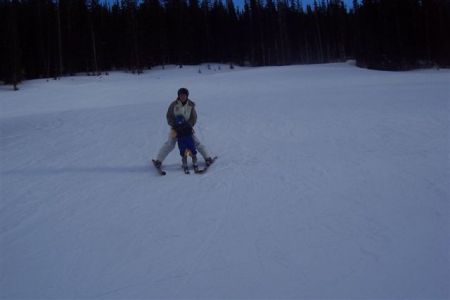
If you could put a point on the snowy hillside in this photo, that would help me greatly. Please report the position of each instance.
(332, 182)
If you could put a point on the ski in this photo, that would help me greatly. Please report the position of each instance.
(201, 171)
(158, 168)
(196, 169)
(186, 171)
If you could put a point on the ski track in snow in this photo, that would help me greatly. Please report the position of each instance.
(331, 182)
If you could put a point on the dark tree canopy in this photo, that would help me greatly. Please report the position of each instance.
(46, 38)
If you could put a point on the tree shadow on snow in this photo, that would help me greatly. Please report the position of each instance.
(92, 169)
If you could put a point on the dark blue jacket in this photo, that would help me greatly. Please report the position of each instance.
(185, 137)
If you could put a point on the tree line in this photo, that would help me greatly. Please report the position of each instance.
(53, 38)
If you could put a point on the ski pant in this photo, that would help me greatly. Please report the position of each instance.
(169, 145)
(186, 143)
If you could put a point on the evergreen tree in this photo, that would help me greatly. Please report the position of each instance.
(51, 38)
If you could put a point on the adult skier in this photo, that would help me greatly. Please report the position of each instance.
(182, 106)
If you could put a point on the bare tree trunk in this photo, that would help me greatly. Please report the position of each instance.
(94, 46)
(15, 46)
(94, 52)
(60, 57)
(319, 39)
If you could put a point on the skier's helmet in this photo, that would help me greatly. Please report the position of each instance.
(179, 120)
(183, 91)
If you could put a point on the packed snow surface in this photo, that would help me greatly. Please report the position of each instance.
(332, 182)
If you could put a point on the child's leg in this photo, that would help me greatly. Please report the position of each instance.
(184, 162)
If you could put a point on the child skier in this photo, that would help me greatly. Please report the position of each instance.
(186, 143)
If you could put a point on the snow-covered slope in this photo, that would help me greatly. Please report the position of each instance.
(332, 182)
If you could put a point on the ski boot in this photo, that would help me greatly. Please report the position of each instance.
(184, 165)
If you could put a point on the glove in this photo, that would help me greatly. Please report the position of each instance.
(183, 129)
(173, 133)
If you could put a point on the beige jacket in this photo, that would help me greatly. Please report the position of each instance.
(176, 108)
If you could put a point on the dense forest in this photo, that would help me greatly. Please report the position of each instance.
(53, 38)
